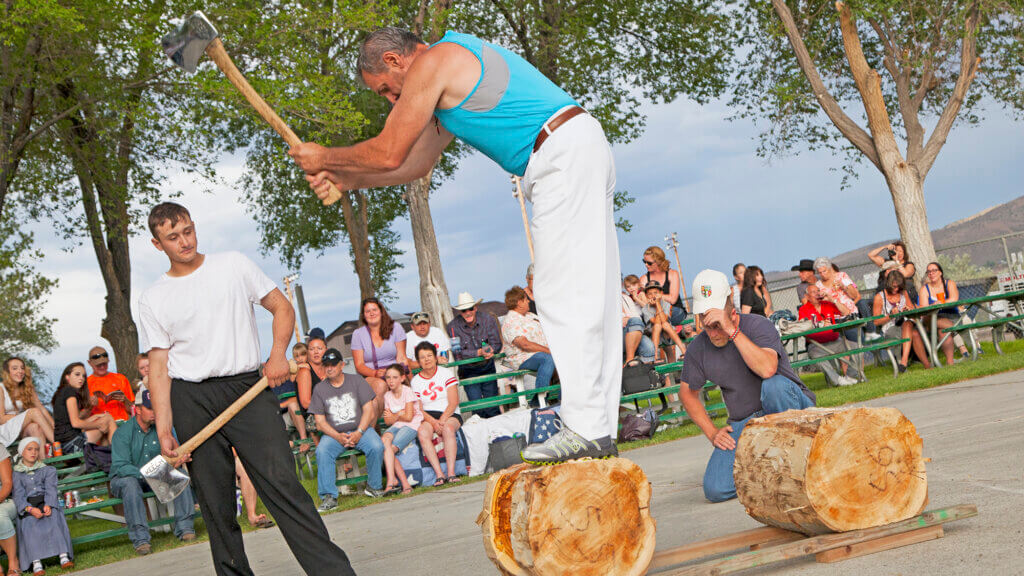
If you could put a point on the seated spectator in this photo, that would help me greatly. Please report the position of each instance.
(658, 270)
(312, 372)
(42, 529)
(73, 421)
(739, 270)
(937, 290)
(838, 287)
(529, 288)
(423, 331)
(634, 340)
(290, 405)
(526, 347)
(828, 343)
(112, 391)
(893, 299)
(438, 392)
(23, 414)
(343, 405)
(403, 416)
(896, 252)
(743, 355)
(378, 343)
(479, 335)
(8, 515)
(755, 298)
(806, 271)
(142, 365)
(657, 320)
(135, 443)
(249, 497)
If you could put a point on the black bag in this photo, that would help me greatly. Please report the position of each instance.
(504, 452)
(97, 457)
(639, 378)
(638, 426)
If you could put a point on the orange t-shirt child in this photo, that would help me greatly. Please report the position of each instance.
(107, 384)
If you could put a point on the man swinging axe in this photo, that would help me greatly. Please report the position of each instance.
(198, 327)
(500, 104)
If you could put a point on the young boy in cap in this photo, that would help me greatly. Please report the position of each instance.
(742, 354)
(659, 323)
(423, 331)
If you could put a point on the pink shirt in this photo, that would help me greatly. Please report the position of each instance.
(837, 290)
(397, 405)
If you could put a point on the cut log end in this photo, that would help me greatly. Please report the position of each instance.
(825, 470)
(584, 517)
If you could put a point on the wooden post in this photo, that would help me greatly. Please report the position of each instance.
(291, 300)
(522, 207)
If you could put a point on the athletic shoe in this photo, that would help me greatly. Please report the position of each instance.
(188, 536)
(373, 492)
(902, 368)
(846, 381)
(567, 445)
(143, 549)
(327, 504)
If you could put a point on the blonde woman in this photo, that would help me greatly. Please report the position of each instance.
(23, 413)
(658, 270)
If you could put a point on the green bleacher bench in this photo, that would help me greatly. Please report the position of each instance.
(985, 324)
(879, 345)
(122, 531)
(63, 459)
(495, 376)
(503, 399)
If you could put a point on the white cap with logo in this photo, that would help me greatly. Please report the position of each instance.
(710, 290)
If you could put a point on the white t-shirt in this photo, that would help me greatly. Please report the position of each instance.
(433, 392)
(435, 336)
(205, 320)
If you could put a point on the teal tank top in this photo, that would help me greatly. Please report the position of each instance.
(507, 108)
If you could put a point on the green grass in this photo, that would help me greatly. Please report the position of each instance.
(882, 383)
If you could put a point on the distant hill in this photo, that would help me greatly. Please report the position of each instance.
(988, 223)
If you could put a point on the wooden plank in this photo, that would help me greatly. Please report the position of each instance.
(688, 552)
(880, 545)
(815, 544)
(792, 536)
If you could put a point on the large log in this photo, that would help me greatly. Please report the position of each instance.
(831, 469)
(583, 517)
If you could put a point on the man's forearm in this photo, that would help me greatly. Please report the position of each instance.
(160, 395)
(756, 358)
(698, 414)
(282, 327)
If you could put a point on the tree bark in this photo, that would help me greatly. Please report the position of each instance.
(359, 236)
(831, 469)
(583, 517)
(433, 291)
(907, 190)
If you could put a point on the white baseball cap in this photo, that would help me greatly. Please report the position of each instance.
(710, 291)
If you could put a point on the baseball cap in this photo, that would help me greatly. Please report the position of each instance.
(332, 357)
(710, 291)
(652, 284)
(420, 317)
(145, 400)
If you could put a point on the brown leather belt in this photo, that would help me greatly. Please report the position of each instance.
(554, 123)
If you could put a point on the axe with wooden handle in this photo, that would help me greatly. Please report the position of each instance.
(186, 45)
(162, 474)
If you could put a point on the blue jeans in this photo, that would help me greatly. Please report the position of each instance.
(482, 390)
(778, 394)
(130, 491)
(327, 453)
(543, 364)
(645, 350)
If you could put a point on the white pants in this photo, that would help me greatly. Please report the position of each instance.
(571, 183)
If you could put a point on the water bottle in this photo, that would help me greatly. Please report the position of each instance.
(485, 347)
(456, 346)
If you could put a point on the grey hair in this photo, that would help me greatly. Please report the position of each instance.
(389, 39)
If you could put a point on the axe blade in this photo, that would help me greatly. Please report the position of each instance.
(166, 481)
(186, 45)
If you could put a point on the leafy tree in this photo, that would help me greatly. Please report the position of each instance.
(960, 267)
(24, 329)
(907, 63)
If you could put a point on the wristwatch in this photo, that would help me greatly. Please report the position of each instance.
(360, 430)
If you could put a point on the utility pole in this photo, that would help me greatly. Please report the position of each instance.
(291, 300)
(518, 193)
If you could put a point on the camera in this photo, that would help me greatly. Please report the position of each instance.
(892, 254)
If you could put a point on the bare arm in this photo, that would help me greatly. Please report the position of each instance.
(876, 309)
(673, 293)
(453, 403)
(304, 384)
(954, 292)
(276, 369)
(361, 367)
(400, 357)
(160, 396)
(852, 291)
(529, 346)
(6, 479)
(876, 254)
(328, 430)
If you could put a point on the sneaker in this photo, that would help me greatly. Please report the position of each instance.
(143, 549)
(567, 445)
(373, 492)
(902, 368)
(188, 537)
(872, 336)
(846, 381)
(327, 504)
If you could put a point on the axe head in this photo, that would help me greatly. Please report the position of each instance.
(166, 481)
(186, 45)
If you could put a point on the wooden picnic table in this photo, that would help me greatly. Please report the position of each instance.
(931, 336)
(855, 323)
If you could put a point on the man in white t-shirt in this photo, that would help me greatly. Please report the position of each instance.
(198, 328)
(422, 331)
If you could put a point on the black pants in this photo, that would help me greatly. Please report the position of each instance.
(483, 389)
(259, 437)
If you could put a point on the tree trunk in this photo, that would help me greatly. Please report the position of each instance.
(433, 290)
(359, 236)
(583, 517)
(907, 191)
(831, 469)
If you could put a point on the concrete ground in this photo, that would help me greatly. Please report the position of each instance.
(973, 432)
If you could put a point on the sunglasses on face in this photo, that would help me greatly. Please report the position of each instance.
(648, 262)
(473, 309)
(933, 271)
(98, 355)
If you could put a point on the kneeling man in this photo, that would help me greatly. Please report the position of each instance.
(743, 355)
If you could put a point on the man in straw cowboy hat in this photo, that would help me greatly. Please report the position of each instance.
(479, 334)
(500, 104)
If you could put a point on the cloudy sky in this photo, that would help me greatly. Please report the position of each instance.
(692, 172)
